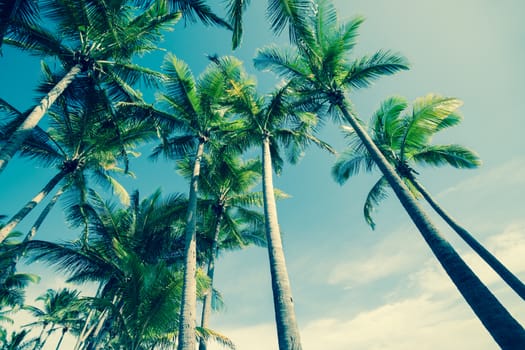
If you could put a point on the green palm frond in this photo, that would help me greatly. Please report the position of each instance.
(364, 71)
(236, 9)
(285, 62)
(350, 163)
(24, 12)
(387, 122)
(208, 334)
(374, 197)
(291, 14)
(453, 155)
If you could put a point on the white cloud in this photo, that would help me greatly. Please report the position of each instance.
(435, 317)
(390, 256)
(508, 174)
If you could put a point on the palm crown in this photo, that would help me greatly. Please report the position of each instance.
(404, 137)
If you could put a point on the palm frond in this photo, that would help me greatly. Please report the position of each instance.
(375, 196)
(453, 155)
(364, 71)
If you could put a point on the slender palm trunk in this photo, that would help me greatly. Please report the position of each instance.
(287, 329)
(64, 331)
(509, 278)
(15, 141)
(206, 304)
(86, 330)
(187, 319)
(43, 215)
(505, 330)
(31, 205)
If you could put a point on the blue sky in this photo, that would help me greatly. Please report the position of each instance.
(353, 287)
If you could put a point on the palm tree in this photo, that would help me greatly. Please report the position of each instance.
(274, 122)
(96, 40)
(404, 139)
(321, 69)
(81, 143)
(59, 309)
(191, 123)
(122, 244)
(136, 254)
(12, 284)
(229, 222)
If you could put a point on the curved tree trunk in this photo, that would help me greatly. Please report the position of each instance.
(505, 330)
(15, 141)
(187, 319)
(15, 220)
(287, 329)
(509, 278)
(206, 304)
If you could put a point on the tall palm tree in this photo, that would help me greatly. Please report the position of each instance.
(274, 122)
(229, 220)
(405, 140)
(320, 68)
(94, 39)
(136, 254)
(81, 142)
(191, 122)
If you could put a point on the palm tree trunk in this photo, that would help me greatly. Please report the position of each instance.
(509, 278)
(85, 332)
(43, 215)
(15, 141)
(31, 205)
(287, 329)
(187, 319)
(505, 330)
(206, 304)
(64, 330)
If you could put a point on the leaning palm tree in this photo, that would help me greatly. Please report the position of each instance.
(96, 40)
(81, 143)
(405, 140)
(274, 122)
(229, 220)
(321, 69)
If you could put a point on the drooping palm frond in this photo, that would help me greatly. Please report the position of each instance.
(377, 193)
(453, 155)
(23, 12)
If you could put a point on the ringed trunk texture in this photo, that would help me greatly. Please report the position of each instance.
(505, 330)
(22, 213)
(187, 319)
(287, 328)
(206, 304)
(15, 141)
(512, 280)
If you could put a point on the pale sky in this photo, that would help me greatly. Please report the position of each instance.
(355, 288)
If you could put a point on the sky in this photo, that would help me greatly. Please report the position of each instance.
(354, 287)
